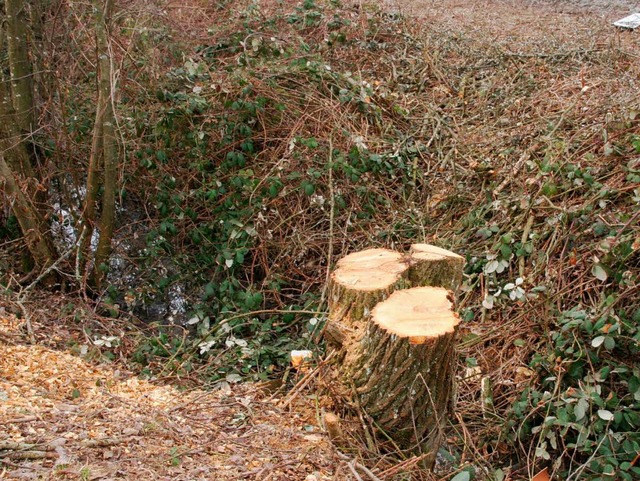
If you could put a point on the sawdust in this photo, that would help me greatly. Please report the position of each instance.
(63, 418)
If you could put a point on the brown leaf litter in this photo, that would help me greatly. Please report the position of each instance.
(63, 418)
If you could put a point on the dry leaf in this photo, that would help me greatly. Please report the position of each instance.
(542, 475)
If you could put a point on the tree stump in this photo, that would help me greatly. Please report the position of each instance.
(395, 341)
(359, 282)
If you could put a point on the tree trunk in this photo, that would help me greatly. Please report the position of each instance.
(104, 155)
(391, 319)
(19, 63)
(38, 243)
(109, 143)
(17, 175)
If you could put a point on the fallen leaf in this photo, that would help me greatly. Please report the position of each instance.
(542, 475)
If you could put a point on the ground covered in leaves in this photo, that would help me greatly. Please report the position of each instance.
(65, 418)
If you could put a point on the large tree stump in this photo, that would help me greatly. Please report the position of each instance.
(395, 341)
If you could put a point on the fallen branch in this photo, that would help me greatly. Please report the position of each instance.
(26, 419)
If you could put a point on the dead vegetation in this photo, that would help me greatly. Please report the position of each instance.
(504, 134)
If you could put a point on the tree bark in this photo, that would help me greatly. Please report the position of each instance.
(360, 281)
(19, 62)
(17, 175)
(392, 321)
(104, 155)
(38, 243)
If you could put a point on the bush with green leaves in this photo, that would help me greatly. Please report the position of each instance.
(584, 415)
(244, 190)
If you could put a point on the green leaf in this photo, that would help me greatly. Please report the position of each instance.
(209, 290)
(609, 343)
(581, 409)
(462, 476)
(309, 189)
(599, 273)
(605, 415)
(161, 155)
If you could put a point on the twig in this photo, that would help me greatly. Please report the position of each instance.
(46, 272)
(525, 237)
(624, 227)
(332, 209)
(352, 463)
(27, 455)
(26, 419)
(352, 468)
(7, 337)
(23, 293)
(103, 442)
(13, 446)
(304, 382)
(514, 171)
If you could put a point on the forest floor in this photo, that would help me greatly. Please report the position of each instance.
(63, 417)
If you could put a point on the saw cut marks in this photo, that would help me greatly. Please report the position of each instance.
(370, 269)
(419, 313)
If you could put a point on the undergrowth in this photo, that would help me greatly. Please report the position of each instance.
(281, 136)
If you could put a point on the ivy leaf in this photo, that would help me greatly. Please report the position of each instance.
(581, 409)
(488, 302)
(491, 266)
(609, 343)
(605, 415)
(462, 476)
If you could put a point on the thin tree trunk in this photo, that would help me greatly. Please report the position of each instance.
(105, 142)
(38, 243)
(12, 143)
(17, 175)
(93, 186)
(19, 63)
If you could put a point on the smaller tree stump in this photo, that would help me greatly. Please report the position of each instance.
(359, 282)
(435, 266)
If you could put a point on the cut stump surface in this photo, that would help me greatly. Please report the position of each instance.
(418, 314)
(369, 270)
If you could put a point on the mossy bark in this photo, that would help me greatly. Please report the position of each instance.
(39, 244)
(19, 63)
(434, 266)
(103, 162)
